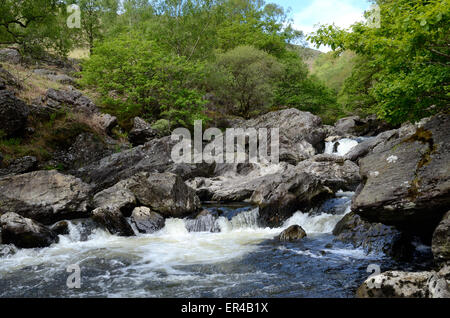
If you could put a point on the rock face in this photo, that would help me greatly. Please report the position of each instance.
(25, 233)
(407, 179)
(302, 186)
(373, 237)
(440, 244)
(147, 221)
(154, 156)
(404, 285)
(141, 132)
(292, 233)
(71, 98)
(21, 165)
(356, 126)
(301, 133)
(165, 193)
(13, 113)
(113, 221)
(10, 56)
(44, 196)
(106, 122)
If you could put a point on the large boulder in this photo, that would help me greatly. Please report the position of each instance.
(165, 193)
(301, 133)
(373, 237)
(113, 221)
(106, 122)
(154, 156)
(13, 114)
(24, 232)
(44, 196)
(303, 186)
(407, 179)
(147, 221)
(70, 99)
(141, 132)
(117, 196)
(292, 233)
(396, 284)
(356, 126)
(440, 244)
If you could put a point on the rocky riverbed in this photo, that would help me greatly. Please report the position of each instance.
(343, 199)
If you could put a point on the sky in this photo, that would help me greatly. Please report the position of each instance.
(308, 13)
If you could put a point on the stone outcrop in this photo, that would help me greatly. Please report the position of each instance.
(395, 284)
(13, 114)
(113, 221)
(440, 244)
(19, 166)
(44, 196)
(11, 56)
(407, 179)
(147, 221)
(141, 132)
(373, 237)
(24, 232)
(303, 186)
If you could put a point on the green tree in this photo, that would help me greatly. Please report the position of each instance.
(136, 76)
(409, 54)
(247, 76)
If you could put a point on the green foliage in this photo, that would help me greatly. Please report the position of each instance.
(162, 126)
(299, 90)
(246, 76)
(409, 56)
(35, 25)
(136, 76)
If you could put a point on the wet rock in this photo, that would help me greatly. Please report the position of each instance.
(6, 250)
(404, 285)
(24, 232)
(147, 221)
(113, 221)
(13, 114)
(141, 132)
(19, 166)
(44, 196)
(60, 228)
(292, 233)
(303, 186)
(407, 179)
(11, 56)
(118, 196)
(154, 156)
(373, 237)
(440, 244)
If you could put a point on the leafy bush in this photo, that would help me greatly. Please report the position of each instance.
(135, 76)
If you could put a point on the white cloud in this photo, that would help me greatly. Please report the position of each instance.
(340, 12)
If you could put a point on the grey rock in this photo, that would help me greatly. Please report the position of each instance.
(13, 113)
(106, 122)
(69, 98)
(407, 179)
(60, 228)
(113, 221)
(44, 72)
(118, 196)
(292, 233)
(11, 56)
(19, 166)
(44, 196)
(141, 132)
(147, 221)
(25, 233)
(404, 285)
(62, 79)
(373, 237)
(440, 244)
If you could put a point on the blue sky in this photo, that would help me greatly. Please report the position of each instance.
(307, 13)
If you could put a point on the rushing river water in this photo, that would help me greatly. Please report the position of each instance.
(231, 256)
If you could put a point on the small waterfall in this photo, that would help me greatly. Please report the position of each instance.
(340, 147)
(203, 223)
